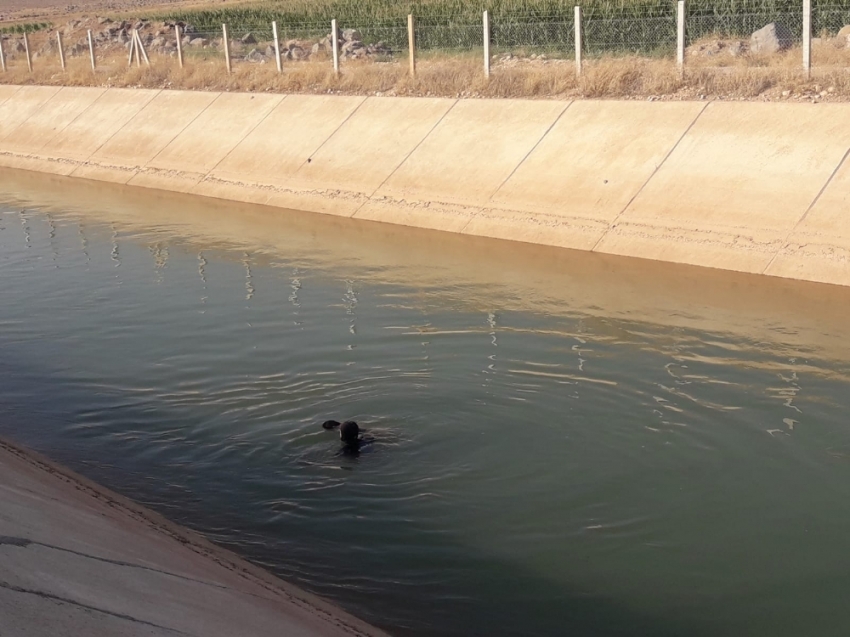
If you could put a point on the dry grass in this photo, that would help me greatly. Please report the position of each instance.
(746, 77)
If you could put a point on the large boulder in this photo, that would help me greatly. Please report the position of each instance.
(351, 35)
(249, 38)
(772, 38)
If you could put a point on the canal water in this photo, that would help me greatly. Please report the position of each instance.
(565, 443)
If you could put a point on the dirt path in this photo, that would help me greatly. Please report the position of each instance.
(60, 10)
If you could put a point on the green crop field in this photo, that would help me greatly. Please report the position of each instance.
(615, 25)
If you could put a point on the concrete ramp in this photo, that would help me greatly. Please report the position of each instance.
(73, 145)
(748, 186)
(361, 155)
(80, 560)
(818, 249)
(468, 156)
(145, 135)
(27, 101)
(6, 91)
(206, 141)
(37, 131)
(261, 168)
(593, 162)
(735, 187)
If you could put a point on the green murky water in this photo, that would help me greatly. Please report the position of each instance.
(567, 444)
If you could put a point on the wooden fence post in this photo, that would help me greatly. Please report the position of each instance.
(226, 48)
(276, 47)
(133, 50)
(335, 45)
(140, 48)
(2, 55)
(27, 47)
(411, 43)
(61, 49)
(807, 38)
(179, 44)
(91, 50)
(680, 37)
(578, 39)
(486, 23)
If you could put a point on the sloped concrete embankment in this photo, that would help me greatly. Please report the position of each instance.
(752, 187)
(77, 559)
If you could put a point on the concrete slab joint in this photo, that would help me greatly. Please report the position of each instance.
(730, 185)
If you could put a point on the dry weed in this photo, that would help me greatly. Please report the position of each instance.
(744, 77)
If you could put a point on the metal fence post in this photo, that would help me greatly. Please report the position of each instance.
(411, 43)
(61, 49)
(226, 48)
(578, 39)
(91, 50)
(276, 47)
(27, 47)
(486, 22)
(335, 45)
(680, 37)
(179, 45)
(2, 55)
(807, 38)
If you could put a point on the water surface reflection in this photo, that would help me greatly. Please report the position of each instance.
(567, 443)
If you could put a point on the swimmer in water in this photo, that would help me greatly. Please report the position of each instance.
(349, 433)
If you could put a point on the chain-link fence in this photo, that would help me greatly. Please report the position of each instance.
(641, 27)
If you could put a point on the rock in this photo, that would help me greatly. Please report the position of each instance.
(104, 21)
(351, 35)
(255, 56)
(158, 42)
(290, 43)
(737, 48)
(297, 53)
(352, 46)
(316, 48)
(843, 38)
(199, 42)
(187, 40)
(249, 38)
(772, 38)
(270, 51)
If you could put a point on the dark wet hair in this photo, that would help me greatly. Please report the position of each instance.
(349, 432)
(330, 424)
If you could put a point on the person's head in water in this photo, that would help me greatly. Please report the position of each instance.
(349, 433)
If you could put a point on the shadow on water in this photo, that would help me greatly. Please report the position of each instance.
(41, 413)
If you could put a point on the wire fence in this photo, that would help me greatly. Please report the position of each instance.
(630, 29)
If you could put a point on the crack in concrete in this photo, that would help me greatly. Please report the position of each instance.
(23, 542)
(65, 600)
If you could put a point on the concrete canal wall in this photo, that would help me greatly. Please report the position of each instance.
(746, 186)
(78, 559)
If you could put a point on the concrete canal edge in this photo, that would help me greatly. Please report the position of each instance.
(747, 186)
(78, 559)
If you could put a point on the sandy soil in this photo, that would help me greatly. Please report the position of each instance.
(60, 10)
